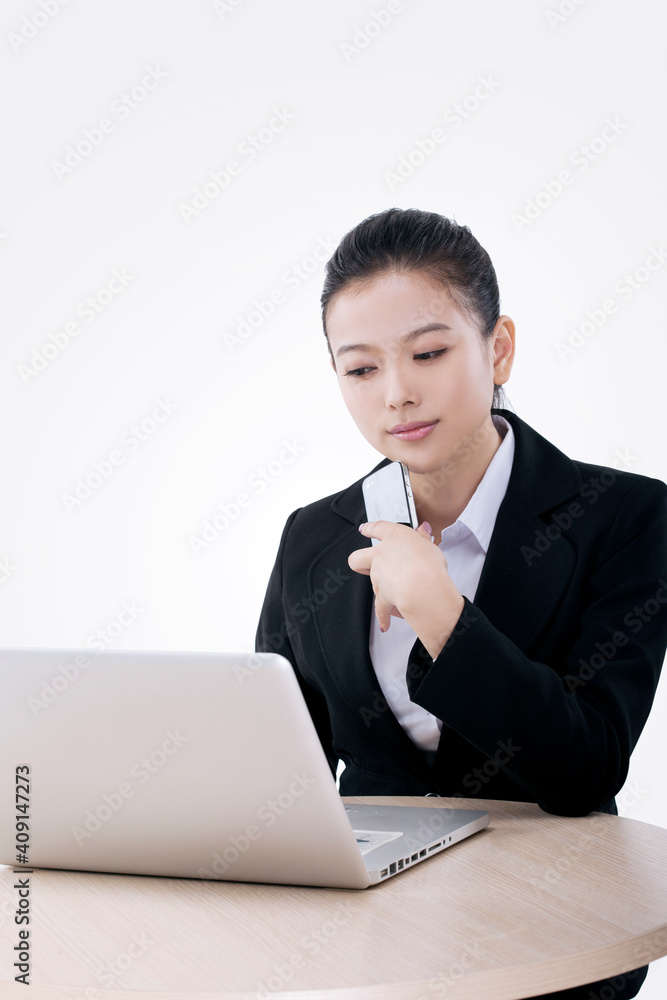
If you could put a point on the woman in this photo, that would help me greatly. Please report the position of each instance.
(518, 656)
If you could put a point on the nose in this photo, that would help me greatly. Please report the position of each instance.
(400, 389)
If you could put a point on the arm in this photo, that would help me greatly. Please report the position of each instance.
(273, 637)
(576, 721)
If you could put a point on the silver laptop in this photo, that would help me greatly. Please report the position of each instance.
(196, 765)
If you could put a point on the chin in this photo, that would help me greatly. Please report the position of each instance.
(425, 465)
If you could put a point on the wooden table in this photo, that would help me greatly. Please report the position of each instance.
(533, 903)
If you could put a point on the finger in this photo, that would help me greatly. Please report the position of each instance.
(379, 529)
(384, 621)
(361, 560)
(383, 613)
(426, 530)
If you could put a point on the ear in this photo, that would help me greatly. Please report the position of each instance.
(503, 344)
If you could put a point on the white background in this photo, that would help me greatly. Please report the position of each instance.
(356, 104)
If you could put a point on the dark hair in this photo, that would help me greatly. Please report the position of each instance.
(408, 239)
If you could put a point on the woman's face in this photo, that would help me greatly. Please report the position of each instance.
(415, 372)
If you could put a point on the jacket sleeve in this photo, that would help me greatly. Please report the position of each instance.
(273, 636)
(570, 726)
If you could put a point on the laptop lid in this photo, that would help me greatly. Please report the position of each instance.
(196, 765)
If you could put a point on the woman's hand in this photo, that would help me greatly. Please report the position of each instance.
(410, 580)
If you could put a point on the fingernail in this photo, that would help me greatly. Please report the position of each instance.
(428, 527)
(363, 525)
(382, 628)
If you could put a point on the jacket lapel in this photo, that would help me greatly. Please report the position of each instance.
(520, 587)
(527, 571)
(343, 626)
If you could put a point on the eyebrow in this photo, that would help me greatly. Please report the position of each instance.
(346, 348)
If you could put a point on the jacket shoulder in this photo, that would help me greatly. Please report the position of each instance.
(642, 485)
(545, 477)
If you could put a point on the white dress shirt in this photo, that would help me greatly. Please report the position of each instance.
(465, 544)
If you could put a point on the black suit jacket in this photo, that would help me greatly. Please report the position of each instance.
(549, 676)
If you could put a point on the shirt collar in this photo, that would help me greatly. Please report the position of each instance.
(479, 516)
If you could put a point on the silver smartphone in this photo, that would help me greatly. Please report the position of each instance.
(388, 496)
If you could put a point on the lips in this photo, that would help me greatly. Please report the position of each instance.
(399, 428)
(414, 431)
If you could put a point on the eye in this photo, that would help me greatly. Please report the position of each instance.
(429, 355)
(425, 356)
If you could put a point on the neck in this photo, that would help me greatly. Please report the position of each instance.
(441, 495)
